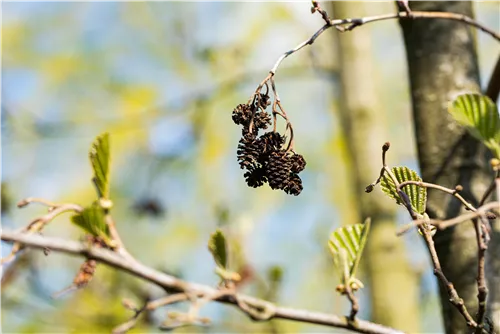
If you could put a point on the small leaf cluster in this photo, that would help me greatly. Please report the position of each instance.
(416, 194)
(92, 218)
(479, 114)
(217, 245)
(346, 245)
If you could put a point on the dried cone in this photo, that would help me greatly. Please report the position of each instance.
(248, 152)
(294, 185)
(256, 177)
(272, 141)
(278, 170)
(262, 120)
(242, 114)
(264, 100)
(298, 163)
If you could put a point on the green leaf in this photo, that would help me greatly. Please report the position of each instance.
(416, 194)
(350, 241)
(480, 115)
(100, 160)
(218, 248)
(91, 220)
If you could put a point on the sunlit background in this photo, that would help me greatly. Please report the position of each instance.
(163, 78)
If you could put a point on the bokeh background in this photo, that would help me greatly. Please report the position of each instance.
(163, 79)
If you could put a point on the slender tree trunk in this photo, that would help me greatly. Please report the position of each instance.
(442, 63)
(393, 284)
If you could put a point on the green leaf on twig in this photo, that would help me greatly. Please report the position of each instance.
(416, 194)
(218, 247)
(480, 115)
(91, 220)
(100, 160)
(346, 245)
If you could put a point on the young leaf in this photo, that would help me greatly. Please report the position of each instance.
(416, 194)
(91, 220)
(100, 160)
(218, 248)
(351, 240)
(480, 115)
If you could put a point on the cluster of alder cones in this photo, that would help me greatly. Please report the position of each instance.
(263, 157)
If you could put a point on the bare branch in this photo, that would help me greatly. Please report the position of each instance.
(454, 192)
(438, 272)
(175, 285)
(344, 25)
(37, 224)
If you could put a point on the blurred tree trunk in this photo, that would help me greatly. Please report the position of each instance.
(442, 63)
(393, 284)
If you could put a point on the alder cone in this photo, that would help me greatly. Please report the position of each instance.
(242, 114)
(272, 141)
(262, 120)
(248, 152)
(278, 170)
(294, 185)
(298, 163)
(263, 100)
(256, 177)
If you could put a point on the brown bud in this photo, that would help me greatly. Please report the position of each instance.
(22, 203)
(369, 188)
(386, 146)
(458, 188)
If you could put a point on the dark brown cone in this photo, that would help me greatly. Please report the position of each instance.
(298, 163)
(264, 100)
(248, 152)
(272, 141)
(278, 170)
(294, 185)
(242, 114)
(256, 177)
(262, 120)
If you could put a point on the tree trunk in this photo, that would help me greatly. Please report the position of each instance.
(442, 63)
(393, 284)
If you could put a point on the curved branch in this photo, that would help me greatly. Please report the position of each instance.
(173, 284)
(344, 25)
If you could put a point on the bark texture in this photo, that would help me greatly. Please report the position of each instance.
(393, 284)
(442, 63)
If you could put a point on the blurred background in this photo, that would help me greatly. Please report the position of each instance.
(163, 79)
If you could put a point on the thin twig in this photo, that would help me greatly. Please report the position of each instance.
(444, 224)
(317, 8)
(427, 234)
(174, 284)
(441, 225)
(438, 272)
(309, 41)
(481, 278)
(352, 23)
(419, 15)
(454, 192)
(489, 191)
(152, 305)
(37, 224)
(24, 202)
